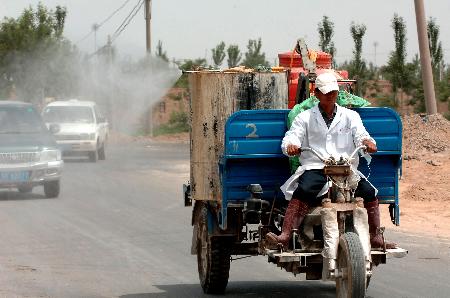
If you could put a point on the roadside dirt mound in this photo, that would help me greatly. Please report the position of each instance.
(424, 187)
(421, 135)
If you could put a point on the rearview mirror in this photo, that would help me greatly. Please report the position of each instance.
(54, 128)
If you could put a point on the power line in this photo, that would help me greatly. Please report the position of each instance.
(104, 21)
(114, 13)
(127, 20)
(122, 26)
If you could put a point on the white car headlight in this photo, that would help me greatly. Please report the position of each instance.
(50, 155)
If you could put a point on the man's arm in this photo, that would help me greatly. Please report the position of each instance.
(360, 134)
(293, 138)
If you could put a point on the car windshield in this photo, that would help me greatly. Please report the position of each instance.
(20, 120)
(68, 115)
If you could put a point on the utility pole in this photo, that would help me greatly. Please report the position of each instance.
(148, 42)
(425, 60)
(109, 103)
(375, 45)
(95, 29)
(148, 18)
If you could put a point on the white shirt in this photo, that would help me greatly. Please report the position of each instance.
(345, 133)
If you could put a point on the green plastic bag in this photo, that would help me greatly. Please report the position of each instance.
(344, 99)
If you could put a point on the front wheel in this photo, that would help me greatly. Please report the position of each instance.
(51, 189)
(25, 188)
(101, 152)
(213, 259)
(351, 278)
(93, 156)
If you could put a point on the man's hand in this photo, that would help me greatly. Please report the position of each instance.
(293, 150)
(371, 147)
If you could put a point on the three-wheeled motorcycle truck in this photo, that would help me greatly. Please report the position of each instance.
(237, 198)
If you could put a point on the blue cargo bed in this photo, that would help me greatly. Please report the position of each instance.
(253, 155)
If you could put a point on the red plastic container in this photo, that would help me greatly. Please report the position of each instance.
(294, 62)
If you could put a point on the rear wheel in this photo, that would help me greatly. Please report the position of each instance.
(51, 189)
(351, 279)
(213, 259)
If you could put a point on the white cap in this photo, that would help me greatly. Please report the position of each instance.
(327, 82)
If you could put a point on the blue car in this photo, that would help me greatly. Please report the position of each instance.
(29, 155)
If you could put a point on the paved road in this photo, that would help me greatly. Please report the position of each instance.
(119, 230)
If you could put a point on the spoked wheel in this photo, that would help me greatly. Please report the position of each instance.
(213, 259)
(351, 278)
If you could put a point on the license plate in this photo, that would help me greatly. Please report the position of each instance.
(14, 176)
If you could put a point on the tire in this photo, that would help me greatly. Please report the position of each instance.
(213, 259)
(25, 188)
(351, 264)
(93, 156)
(101, 153)
(52, 189)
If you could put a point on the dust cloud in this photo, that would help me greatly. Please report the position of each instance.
(124, 88)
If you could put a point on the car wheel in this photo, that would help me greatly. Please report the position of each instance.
(51, 189)
(101, 152)
(93, 156)
(25, 188)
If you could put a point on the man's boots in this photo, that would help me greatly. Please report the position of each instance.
(373, 214)
(295, 213)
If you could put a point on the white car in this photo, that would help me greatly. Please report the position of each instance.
(82, 128)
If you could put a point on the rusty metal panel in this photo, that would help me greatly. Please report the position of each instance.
(214, 97)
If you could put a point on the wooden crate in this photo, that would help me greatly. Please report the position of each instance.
(214, 97)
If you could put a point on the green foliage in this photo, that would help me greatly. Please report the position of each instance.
(188, 65)
(160, 52)
(254, 57)
(178, 122)
(443, 88)
(234, 56)
(357, 67)
(326, 32)
(401, 74)
(35, 59)
(386, 101)
(435, 46)
(447, 116)
(218, 54)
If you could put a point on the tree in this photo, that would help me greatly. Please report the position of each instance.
(218, 54)
(357, 69)
(234, 56)
(35, 59)
(326, 32)
(160, 52)
(358, 65)
(396, 70)
(254, 57)
(417, 93)
(435, 47)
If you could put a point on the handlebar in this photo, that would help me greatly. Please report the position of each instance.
(314, 152)
(357, 149)
(324, 159)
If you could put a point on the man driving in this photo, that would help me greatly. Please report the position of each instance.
(331, 130)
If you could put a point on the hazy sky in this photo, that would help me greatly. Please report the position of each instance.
(190, 28)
